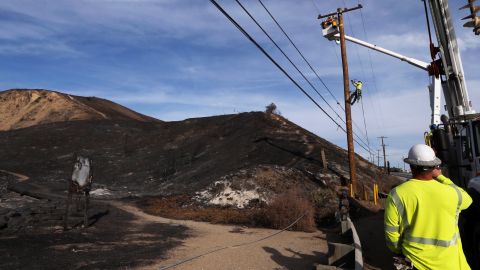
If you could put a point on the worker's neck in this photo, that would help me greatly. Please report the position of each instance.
(427, 176)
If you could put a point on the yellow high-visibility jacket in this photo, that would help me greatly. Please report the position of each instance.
(421, 221)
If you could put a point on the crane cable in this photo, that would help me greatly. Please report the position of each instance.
(313, 70)
(295, 66)
(240, 28)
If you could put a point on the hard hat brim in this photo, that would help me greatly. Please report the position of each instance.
(422, 163)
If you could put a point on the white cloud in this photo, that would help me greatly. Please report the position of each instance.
(196, 58)
(12, 31)
(36, 48)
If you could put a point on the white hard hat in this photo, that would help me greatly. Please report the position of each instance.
(422, 155)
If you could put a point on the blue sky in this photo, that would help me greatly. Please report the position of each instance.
(180, 59)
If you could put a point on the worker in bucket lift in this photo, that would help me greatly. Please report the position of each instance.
(421, 216)
(357, 93)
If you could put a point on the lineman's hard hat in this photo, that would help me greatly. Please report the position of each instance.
(422, 155)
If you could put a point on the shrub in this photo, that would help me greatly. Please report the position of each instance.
(325, 202)
(271, 108)
(281, 212)
(286, 208)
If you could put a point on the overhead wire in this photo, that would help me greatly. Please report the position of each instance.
(364, 75)
(374, 77)
(299, 52)
(334, 49)
(338, 61)
(296, 67)
(356, 48)
(333, 44)
(242, 30)
(378, 116)
(309, 65)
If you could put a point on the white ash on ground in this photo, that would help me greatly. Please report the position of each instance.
(100, 192)
(250, 187)
(222, 193)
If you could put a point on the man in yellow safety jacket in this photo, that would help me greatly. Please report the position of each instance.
(421, 215)
(357, 93)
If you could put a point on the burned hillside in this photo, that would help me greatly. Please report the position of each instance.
(239, 160)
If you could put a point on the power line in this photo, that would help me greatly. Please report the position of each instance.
(293, 64)
(309, 65)
(374, 77)
(340, 63)
(240, 28)
(361, 68)
(301, 54)
(356, 48)
(294, 45)
(365, 125)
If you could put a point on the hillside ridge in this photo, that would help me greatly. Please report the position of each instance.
(21, 108)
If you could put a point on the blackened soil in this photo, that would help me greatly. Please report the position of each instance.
(114, 240)
(173, 157)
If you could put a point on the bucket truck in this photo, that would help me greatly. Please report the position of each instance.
(456, 137)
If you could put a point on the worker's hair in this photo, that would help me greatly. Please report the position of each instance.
(420, 169)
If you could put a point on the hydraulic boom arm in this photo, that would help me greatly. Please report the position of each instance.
(435, 86)
(454, 87)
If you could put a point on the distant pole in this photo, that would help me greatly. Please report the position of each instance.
(346, 91)
(384, 156)
(378, 158)
(403, 158)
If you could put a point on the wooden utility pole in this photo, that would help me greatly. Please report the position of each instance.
(346, 91)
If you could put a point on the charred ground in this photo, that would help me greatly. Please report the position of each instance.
(223, 169)
(238, 159)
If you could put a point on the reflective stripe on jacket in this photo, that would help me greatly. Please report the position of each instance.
(421, 221)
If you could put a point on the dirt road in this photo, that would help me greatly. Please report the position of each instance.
(287, 250)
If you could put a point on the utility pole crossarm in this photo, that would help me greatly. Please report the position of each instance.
(340, 10)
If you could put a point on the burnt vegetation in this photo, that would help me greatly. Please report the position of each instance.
(171, 163)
